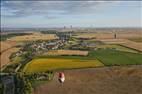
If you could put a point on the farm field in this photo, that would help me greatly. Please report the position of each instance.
(44, 64)
(133, 45)
(107, 57)
(85, 35)
(117, 47)
(123, 42)
(6, 49)
(111, 57)
(106, 80)
(4, 57)
(34, 36)
(4, 45)
(136, 39)
(110, 35)
(67, 52)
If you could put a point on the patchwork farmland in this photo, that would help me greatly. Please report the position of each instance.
(42, 56)
(96, 58)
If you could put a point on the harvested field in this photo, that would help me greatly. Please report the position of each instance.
(45, 64)
(108, 80)
(4, 45)
(133, 45)
(4, 57)
(105, 35)
(124, 42)
(112, 41)
(117, 47)
(136, 39)
(67, 52)
(110, 35)
(6, 49)
(119, 35)
(34, 36)
(86, 35)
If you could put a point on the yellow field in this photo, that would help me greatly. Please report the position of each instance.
(43, 64)
(67, 52)
(34, 36)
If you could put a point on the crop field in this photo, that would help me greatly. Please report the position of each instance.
(117, 47)
(86, 35)
(124, 42)
(4, 57)
(44, 64)
(106, 80)
(34, 36)
(136, 39)
(101, 57)
(113, 57)
(67, 52)
(4, 45)
(110, 35)
(6, 49)
(133, 45)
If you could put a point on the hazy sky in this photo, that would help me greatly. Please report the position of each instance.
(18, 14)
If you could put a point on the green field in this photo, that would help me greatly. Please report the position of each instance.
(44, 64)
(101, 57)
(113, 57)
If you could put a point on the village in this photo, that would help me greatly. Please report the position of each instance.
(71, 47)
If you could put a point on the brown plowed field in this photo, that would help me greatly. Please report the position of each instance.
(108, 80)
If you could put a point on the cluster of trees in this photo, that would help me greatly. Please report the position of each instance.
(22, 84)
(6, 36)
(49, 32)
(10, 68)
(39, 76)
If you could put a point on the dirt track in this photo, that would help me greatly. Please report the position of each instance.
(114, 80)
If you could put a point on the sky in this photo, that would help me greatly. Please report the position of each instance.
(38, 14)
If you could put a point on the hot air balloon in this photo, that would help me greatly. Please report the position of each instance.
(61, 77)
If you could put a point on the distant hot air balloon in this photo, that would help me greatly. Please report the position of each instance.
(61, 77)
